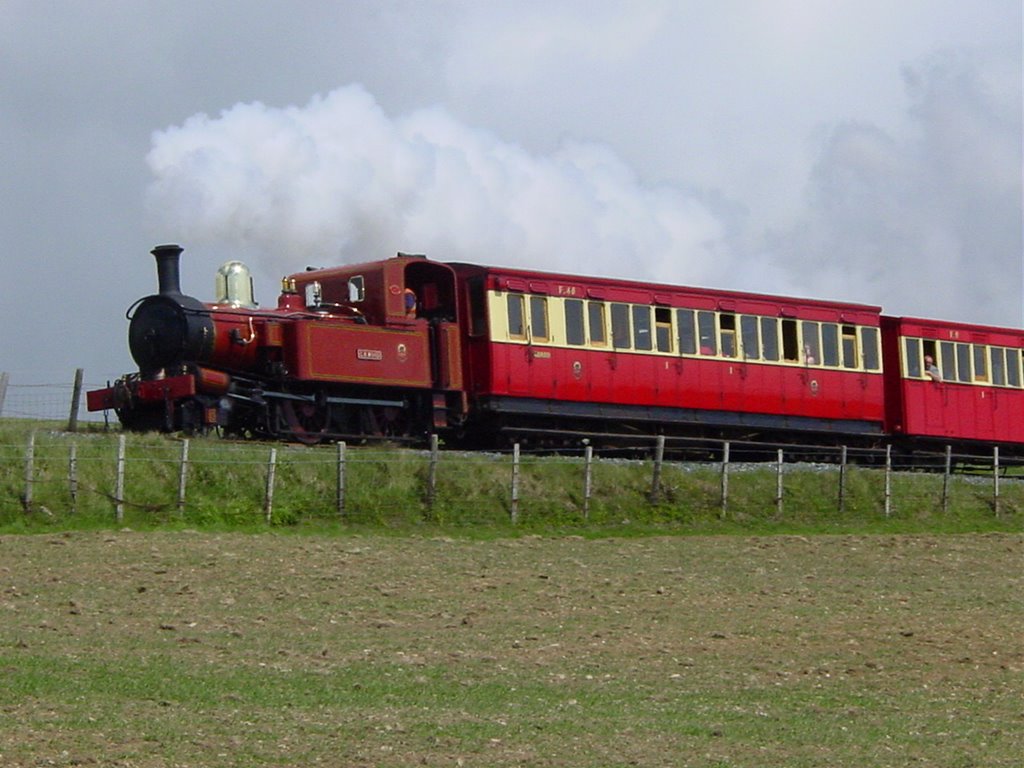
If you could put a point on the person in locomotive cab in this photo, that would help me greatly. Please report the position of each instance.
(410, 302)
(931, 369)
(409, 299)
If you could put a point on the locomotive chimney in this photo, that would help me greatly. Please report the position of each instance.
(167, 273)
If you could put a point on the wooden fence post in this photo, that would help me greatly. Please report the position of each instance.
(514, 510)
(888, 480)
(995, 480)
(432, 472)
(659, 456)
(778, 485)
(119, 486)
(73, 475)
(725, 478)
(182, 476)
(76, 396)
(945, 479)
(268, 504)
(3, 390)
(842, 480)
(30, 462)
(588, 460)
(341, 479)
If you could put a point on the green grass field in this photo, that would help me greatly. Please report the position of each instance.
(200, 649)
(628, 632)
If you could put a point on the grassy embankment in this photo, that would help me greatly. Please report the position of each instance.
(386, 489)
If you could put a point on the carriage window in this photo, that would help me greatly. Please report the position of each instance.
(963, 362)
(356, 288)
(595, 315)
(790, 345)
(980, 362)
(663, 328)
(849, 346)
(516, 326)
(770, 338)
(728, 335)
(539, 318)
(998, 357)
(748, 333)
(686, 332)
(869, 348)
(830, 344)
(620, 326)
(706, 329)
(1012, 368)
(812, 344)
(947, 360)
(912, 357)
(574, 322)
(642, 327)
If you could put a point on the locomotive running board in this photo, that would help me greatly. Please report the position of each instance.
(336, 400)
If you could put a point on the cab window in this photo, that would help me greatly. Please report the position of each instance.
(356, 288)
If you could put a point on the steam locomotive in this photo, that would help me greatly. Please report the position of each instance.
(404, 346)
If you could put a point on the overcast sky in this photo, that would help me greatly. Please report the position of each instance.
(866, 150)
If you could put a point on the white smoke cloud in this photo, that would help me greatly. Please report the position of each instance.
(338, 180)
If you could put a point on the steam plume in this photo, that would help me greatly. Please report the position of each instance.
(338, 180)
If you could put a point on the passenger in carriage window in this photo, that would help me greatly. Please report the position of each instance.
(931, 369)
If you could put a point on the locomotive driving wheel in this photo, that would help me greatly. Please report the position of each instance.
(384, 421)
(307, 420)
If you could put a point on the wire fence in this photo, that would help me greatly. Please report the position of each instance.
(150, 479)
(48, 401)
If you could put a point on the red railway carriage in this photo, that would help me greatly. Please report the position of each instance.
(953, 382)
(569, 351)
